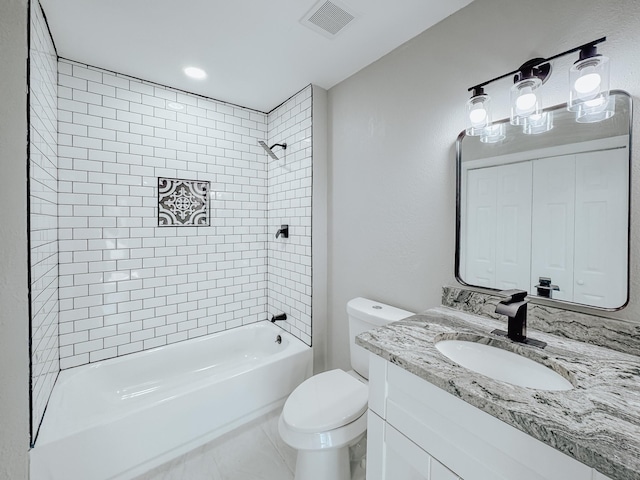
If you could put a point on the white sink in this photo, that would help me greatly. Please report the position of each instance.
(502, 365)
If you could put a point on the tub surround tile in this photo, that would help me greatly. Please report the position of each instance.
(611, 333)
(117, 135)
(43, 222)
(289, 182)
(597, 423)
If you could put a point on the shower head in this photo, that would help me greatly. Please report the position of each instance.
(269, 150)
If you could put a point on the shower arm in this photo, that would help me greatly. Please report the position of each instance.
(269, 150)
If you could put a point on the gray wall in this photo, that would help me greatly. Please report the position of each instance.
(392, 131)
(14, 315)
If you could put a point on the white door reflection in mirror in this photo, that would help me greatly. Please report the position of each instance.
(499, 226)
(562, 217)
(553, 229)
(600, 271)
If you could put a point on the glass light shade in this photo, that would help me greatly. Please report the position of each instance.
(478, 114)
(538, 123)
(525, 100)
(589, 80)
(596, 110)
(493, 133)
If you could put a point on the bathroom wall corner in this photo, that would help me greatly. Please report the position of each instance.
(289, 186)
(43, 219)
(14, 319)
(319, 262)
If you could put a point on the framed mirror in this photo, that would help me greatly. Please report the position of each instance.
(548, 212)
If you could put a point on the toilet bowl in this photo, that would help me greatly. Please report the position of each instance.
(327, 413)
(321, 419)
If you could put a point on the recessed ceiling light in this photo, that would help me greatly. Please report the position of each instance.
(195, 72)
(175, 106)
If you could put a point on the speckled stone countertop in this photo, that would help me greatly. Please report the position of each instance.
(597, 423)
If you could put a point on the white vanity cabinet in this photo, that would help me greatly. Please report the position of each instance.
(416, 431)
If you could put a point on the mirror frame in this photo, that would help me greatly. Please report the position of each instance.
(531, 297)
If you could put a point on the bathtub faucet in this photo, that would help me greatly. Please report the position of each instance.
(278, 318)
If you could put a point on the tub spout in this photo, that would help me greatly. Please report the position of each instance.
(278, 318)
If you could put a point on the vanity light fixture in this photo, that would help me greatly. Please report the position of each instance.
(593, 111)
(525, 93)
(538, 123)
(195, 72)
(589, 95)
(589, 78)
(493, 133)
(478, 112)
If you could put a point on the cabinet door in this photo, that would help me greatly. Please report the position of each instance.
(375, 446)
(404, 459)
(440, 472)
(392, 456)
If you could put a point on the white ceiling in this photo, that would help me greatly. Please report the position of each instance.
(256, 52)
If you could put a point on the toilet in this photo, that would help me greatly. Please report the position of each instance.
(327, 413)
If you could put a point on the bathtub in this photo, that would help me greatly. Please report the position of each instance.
(122, 417)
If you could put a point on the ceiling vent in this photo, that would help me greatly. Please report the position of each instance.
(328, 18)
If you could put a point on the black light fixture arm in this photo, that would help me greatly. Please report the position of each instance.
(586, 50)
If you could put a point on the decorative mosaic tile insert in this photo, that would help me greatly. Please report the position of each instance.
(182, 202)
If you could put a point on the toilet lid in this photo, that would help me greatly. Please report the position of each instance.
(325, 401)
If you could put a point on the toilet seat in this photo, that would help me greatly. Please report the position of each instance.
(325, 402)
(337, 438)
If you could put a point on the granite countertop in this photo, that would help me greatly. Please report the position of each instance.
(597, 422)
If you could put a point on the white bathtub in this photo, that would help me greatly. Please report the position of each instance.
(121, 417)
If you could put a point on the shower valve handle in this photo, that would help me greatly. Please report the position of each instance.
(283, 232)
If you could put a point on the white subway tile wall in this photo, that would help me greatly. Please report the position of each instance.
(126, 284)
(290, 189)
(43, 219)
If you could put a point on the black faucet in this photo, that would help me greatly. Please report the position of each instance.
(515, 308)
(281, 317)
(544, 288)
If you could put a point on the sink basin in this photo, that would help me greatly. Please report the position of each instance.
(502, 365)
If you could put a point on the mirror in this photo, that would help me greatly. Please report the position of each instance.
(549, 212)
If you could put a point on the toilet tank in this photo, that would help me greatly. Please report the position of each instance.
(366, 315)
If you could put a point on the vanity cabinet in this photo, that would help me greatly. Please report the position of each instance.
(403, 459)
(416, 431)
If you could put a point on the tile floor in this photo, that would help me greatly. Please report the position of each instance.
(252, 452)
